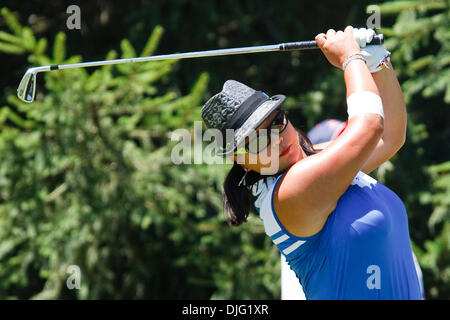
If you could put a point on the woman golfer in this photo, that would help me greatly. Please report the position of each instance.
(344, 234)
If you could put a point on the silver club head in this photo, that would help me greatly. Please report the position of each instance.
(27, 87)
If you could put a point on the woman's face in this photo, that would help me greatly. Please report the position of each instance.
(280, 154)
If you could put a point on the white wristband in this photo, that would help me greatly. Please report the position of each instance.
(364, 102)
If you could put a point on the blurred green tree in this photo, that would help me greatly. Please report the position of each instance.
(419, 40)
(86, 179)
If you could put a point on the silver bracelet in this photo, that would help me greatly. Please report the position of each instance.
(356, 56)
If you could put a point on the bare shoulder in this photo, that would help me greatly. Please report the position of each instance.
(300, 214)
(311, 188)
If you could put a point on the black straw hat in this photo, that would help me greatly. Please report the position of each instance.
(238, 107)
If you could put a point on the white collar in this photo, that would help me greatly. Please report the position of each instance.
(261, 188)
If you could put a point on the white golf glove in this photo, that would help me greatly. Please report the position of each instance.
(376, 55)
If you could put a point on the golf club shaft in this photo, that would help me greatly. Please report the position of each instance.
(27, 87)
(187, 55)
(289, 46)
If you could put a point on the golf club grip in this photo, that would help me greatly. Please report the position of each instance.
(303, 45)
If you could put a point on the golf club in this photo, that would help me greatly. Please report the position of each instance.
(27, 87)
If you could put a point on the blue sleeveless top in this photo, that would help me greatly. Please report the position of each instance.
(362, 252)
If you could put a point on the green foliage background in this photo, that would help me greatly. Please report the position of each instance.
(85, 171)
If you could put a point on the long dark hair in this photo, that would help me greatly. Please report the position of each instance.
(238, 199)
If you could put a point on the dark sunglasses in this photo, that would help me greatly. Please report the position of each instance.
(263, 139)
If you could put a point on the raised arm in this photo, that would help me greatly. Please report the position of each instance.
(394, 119)
(310, 189)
